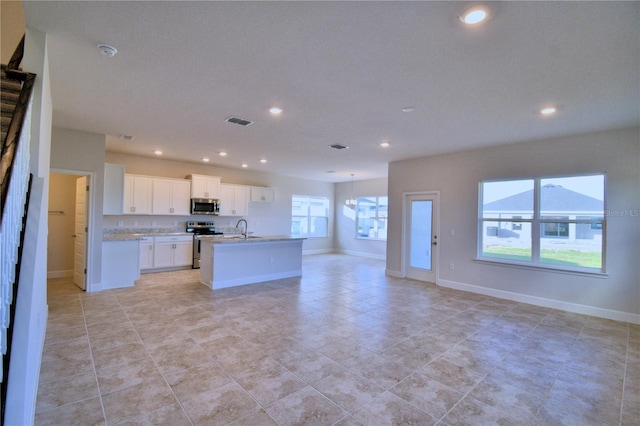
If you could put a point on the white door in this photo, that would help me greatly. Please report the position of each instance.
(80, 233)
(420, 236)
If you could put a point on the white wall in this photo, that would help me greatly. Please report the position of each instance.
(31, 306)
(79, 152)
(457, 176)
(346, 241)
(271, 219)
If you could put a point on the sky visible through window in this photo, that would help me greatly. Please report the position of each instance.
(592, 186)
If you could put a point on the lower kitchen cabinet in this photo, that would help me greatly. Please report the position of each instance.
(170, 251)
(146, 253)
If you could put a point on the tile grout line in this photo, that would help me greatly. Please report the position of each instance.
(93, 365)
(155, 364)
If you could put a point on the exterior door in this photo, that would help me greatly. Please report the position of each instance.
(421, 236)
(80, 233)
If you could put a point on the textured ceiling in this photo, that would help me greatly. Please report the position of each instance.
(342, 71)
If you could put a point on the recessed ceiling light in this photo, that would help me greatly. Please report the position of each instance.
(157, 152)
(222, 154)
(263, 160)
(275, 110)
(384, 144)
(474, 15)
(548, 111)
(205, 159)
(244, 165)
(408, 109)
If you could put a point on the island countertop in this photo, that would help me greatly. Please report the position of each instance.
(212, 239)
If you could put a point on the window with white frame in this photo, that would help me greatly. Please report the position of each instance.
(550, 222)
(371, 218)
(309, 216)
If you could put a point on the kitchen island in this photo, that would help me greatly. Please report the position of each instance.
(230, 262)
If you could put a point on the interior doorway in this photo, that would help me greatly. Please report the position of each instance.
(420, 237)
(67, 242)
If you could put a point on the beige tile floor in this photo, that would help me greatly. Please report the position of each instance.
(343, 345)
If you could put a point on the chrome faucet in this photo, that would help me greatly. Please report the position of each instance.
(246, 226)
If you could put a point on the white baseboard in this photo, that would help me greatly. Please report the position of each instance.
(541, 301)
(362, 254)
(392, 273)
(59, 274)
(318, 251)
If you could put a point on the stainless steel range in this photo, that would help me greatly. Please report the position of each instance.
(200, 229)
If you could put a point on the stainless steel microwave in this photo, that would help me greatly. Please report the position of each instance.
(205, 206)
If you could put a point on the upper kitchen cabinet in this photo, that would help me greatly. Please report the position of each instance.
(203, 186)
(171, 196)
(113, 189)
(260, 194)
(138, 191)
(234, 200)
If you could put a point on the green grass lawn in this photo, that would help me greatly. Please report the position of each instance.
(557, 257)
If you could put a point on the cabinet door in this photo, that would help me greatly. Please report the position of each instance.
(137, 194)
(181, 198)
(241, 200)
(163, 255)
(183, 253)
(162, 196)
(146, 254)
(227, 200)
(203, 186)
(234, 200)
(198, 186)
(213, 187)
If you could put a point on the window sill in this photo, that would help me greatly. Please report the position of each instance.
(602, 275)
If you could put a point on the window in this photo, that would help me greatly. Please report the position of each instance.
(309, 216)
(554, 222)
(371, 220)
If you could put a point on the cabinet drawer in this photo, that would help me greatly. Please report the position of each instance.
(173, 238)
(146, 239)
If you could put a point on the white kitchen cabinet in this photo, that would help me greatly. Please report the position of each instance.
(171, 196)
(112, 201)
(120, 263)
(170, 251)
(137, 194)
(260, 194)
(146, 253)
(203, 186)
(234, 200)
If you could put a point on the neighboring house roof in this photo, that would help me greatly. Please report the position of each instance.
(553, 198)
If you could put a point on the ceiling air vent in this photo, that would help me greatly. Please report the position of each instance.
(240, 121)
(338, 146)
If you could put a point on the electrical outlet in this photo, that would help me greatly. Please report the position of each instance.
(135, 223)
(154, 224)
(120, 223)
(451, 266)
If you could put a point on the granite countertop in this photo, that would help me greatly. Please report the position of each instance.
(120, 237)
(124, 234)
(251, 239)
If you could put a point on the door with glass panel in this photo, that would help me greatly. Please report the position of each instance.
(420, 236)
